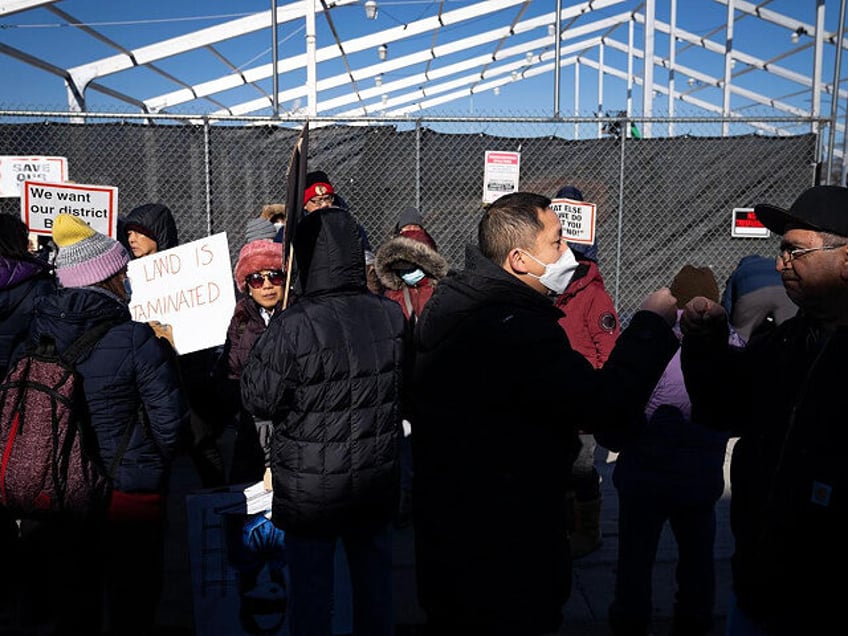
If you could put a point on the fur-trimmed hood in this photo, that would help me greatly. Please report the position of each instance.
(400, 253)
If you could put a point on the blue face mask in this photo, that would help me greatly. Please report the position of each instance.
(127, 287)
(412, 277)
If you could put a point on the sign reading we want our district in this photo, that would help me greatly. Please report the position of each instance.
(189, 287)
(42, 202)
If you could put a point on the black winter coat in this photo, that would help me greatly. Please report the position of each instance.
(127, 368)
(22, 282)
(328, 372)
(783, 395)
(499, 395)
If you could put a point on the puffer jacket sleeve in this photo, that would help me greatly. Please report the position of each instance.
(160, 392)
(262, 379)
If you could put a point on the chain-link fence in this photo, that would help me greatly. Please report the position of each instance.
(662, 202)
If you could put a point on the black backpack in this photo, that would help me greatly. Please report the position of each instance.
(50, 462)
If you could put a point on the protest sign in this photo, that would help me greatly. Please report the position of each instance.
(578, 220)
(500, 175)
(42, 202)
(190, 288)
(15, 170)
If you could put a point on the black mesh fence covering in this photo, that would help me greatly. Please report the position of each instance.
(662, 202)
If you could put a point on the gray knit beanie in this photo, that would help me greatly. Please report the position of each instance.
(409, 216)
(259, 228)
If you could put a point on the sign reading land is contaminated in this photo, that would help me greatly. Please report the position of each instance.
(577, 219)
(190, 288)
(15, 170)
(97, 205)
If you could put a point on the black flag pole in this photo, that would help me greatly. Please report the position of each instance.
(295, 185)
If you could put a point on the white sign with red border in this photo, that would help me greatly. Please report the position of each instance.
(15, 170)
(97, 205)
(745, 224)
(577, 219)
(500, 175)
(189, 287)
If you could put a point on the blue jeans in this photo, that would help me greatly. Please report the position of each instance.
(311, 572)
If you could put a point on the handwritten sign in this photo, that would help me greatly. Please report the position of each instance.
(577, 218)
(97, 205)
(189, 287)
(500, 175)
(745, 224)
(15, 170)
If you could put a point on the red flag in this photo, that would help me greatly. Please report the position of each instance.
(295, 185)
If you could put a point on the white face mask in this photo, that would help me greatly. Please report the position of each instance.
(410, 278)
(558, 274)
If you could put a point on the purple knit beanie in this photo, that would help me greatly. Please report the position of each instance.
(85, 256)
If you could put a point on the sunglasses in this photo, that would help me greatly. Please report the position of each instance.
(257, 280)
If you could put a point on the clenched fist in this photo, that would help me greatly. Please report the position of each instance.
(662, 303)
(703, 317)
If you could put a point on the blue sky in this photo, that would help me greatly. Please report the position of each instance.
(43, 34)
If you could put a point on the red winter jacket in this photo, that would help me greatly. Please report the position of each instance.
(589, 317)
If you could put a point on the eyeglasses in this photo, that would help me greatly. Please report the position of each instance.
(326, 199)
(787, 255)
(257, 280)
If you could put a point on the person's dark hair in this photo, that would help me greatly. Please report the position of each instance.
(14, 237)
(511, 221)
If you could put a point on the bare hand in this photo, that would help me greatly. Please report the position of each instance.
(701, 316)
(662, 303)
(163, 331)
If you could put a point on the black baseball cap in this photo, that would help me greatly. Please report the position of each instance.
(821, 208)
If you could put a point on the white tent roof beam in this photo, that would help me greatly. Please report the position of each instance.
(736, 54)
(84, 73)
(8, 7)
(327, 53)
(752, 61)
(442, 50)
(422, 56)
(716, 82)
(781, 20)
(388, 36)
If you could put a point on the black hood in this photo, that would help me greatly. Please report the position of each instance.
(154, 220)
(329, 252)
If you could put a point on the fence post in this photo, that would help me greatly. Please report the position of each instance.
(621, 140)
(208, 176)
(418, 163)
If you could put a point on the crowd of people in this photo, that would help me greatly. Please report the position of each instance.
(372, 389)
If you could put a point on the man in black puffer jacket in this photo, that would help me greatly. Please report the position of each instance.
(499, 397)
(327, 372)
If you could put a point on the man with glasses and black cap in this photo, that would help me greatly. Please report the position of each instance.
(783, 395)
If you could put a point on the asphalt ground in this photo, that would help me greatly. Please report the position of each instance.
(585, 612)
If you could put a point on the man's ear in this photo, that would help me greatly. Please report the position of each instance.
(843, 263)
(517, 261)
